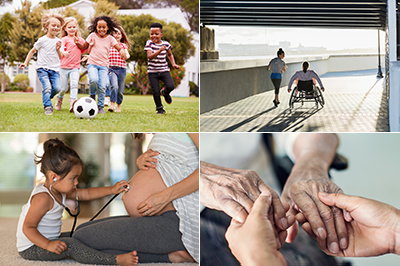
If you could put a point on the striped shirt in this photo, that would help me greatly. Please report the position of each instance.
(178, 158)
(115, 57)
(158, 64)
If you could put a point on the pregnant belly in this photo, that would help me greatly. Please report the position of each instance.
(143, 185)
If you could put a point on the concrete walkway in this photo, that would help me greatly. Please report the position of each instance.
(354, 102)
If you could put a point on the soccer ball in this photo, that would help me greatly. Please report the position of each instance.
(85, 107)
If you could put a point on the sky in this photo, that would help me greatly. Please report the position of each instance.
(332, 39)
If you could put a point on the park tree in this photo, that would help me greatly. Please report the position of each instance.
(6, 55)
(103, 7)
(4, 2)
(189, 7)
(57, 3)
(26, 30)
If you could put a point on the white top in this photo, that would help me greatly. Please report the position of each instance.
(178, 158)
(50, 224)
(47, 53)
(309, 75)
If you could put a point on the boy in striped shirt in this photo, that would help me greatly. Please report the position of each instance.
(157, 66)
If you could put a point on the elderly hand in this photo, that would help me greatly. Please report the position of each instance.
(373, 226)
(256, 240)
(301, 192)
(234, 192)
(146, 160)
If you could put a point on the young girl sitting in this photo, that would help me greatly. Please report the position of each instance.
(70, 62)
(117, 71)
(39, 225)
(48, 59)
(100, 37)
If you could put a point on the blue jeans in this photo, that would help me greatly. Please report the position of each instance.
(117, 82)
(73, 75)
(51, 85)
(98, 81)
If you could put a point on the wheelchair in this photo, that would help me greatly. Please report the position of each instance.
(306, 91)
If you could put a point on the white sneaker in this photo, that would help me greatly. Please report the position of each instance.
(107, 101)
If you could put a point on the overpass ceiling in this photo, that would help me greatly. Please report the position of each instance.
(283, 13)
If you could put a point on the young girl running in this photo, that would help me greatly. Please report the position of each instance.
(70, 62)
(117, 70)
(48, 59)
(39, 225)
(100, 37)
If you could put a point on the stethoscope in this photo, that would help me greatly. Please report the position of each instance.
(78, 209)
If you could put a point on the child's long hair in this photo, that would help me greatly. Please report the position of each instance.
(46, 19)
(124, 38)
(111, 24)
(68, 20)
(57, 157)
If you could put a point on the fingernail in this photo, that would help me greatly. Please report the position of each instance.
(324, 194)
(284, 223)
(343, 243)
(321, 233)
(334, 248)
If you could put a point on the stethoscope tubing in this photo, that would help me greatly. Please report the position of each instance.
(79, 209)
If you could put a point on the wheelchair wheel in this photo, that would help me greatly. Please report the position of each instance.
(320, 97)
(292, 98)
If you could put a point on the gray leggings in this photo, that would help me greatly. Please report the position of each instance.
(152, 237)
(76, 250)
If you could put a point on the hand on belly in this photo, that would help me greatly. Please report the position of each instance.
(144, 184)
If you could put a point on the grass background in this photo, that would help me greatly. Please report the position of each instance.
(23, 112)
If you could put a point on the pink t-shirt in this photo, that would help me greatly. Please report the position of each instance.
(100, 50)
(74, 59)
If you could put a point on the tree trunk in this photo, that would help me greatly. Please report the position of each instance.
(3, 80)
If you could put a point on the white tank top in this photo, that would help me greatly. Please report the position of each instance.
(50, 224)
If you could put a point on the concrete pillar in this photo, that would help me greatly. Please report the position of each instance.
(207, 44)
(394, 68)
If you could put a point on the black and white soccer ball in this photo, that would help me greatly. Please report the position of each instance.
(86, 107)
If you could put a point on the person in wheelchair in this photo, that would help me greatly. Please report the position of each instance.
(305, 79)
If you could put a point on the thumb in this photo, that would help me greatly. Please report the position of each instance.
(339, 200)
(262, 204)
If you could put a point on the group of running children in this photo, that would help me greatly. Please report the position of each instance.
(107, 45)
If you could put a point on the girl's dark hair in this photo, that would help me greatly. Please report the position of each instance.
(57, 157)
(124, 38)
(280, 51)
(305, 66)
(111, 24)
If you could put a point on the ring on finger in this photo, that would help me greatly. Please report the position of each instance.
(146, 213)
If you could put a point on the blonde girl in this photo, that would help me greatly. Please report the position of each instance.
(70, 62)
(48, 58)
(39, 227)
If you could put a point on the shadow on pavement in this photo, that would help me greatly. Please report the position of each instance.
(234, 127)
(289, 120)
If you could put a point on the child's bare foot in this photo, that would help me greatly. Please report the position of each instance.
(129, 259)
(180, 256)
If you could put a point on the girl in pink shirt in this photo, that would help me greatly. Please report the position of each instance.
(101, 41)
(70, 62)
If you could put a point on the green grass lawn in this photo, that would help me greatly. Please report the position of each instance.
(23, 112)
